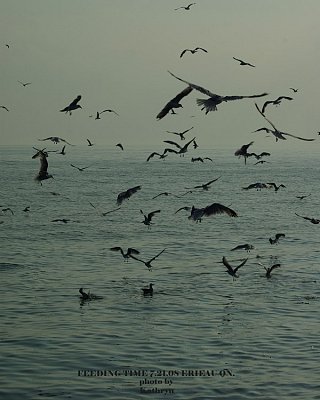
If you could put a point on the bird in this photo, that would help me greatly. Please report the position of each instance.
(181, 134)
(163, 155)
(205, 186)
(193, 51)
(109, 212)
(148, 263)
(25, 84)
(119, 145)
(7, 209)
(72, 106)
(84, 295)
(26, 209)
(211, 103)
(182, 149)
(90, 143)
(164, 194)
(312, 220)
(148, 291)
(277, 134)
(276, 187)
(56, 140)
(246, 247)
(243, 151)
(258, 186)
(216, 208)
(294, 90)
(127, 194)
(5, 108)
(185, 7)
(258, 156)
(174, 103)
(243, 62)
(107, 110)
(63, 151)
(148, 217)
(201, 159)
(195, 144)
(261, 162)
(275, 102)
(270, 269)
(79, 168)
(43, 172)
(64, 220)
(126, 255)
(7, 45)
(276, 239)
(303, 196)
(231, 270)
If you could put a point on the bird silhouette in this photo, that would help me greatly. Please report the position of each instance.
(148, 217)
(64, 220)
(55, 140)
(294, 90)
(185, 7)
(164, 194)
(201, 159)
(246, 247)
(211, 103)
(25, 84)
(81, 169)
(126, 255)
(107, 110)
(205, 186)
(148, 263)
(270, 269)
(312, 220)
(181, 134)
(243, 151)
(233, 270)
(243, 62)
(90, 143)
(174, 103)
(127, 194)
(63, 151)
(84, 295)
(198, 213)
(276, 239)
(275, 102)
(119, 145)
(72, 106)
(258, 186)
(276, 187)
(43, 171)
(182, 149)
(277, 134)
(7, 209)
(5, 108)
(148, 291)
(193, 51)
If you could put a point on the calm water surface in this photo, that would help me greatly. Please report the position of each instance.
(202, 335)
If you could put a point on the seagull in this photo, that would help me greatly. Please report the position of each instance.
(8, 209)
(72, 106)
(127, 194)
(119, 145)
(5, 108)
(258, 186)
(148, 217)
(126, 255)
(181, 134)
(63, 151)
(278, 134)
(90, 143)
(258, 156)
(211, 103)
(84, 295)
(182, 149)
(79, 168)
(243, 62)
(64, 220)
(148, 291)
(174, 103)
(201, 159)
(246, 247)
(198, 213)
(195, 144)
(243, 151)
(186, 7)
(26, 209)
(230, 270)
(108, 110)
(205, 186)
(148, 263)
(270, 269)
(43, 172)
(275, 102)
(312, 220)
(276, 188)
(193, 51)
(163, 155)
(56, 140)
(303, 196)
(276, 239)
(164, 194)
(25, 84)
(294, 90)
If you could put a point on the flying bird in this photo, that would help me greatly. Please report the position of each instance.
(119, 145)
(174, 103)
(148, 217)
(243, 62)
(182, 149)
(198, 213)
(193, 51)
(201, 159)
(205, 186)
(231, 270)
(294, 90)
(277, 134)
(127, 194)
(148, 263)
(56, 140)
(258, 156)
(90, 143)
(276, 187)
(43, 171)
(26, 209)
(72, 106)
(164, 194)
(275, 102)
(64, 220)
(246, 247)
(148, 291)
(107, 110)
(7, 209)
(5, 108)
(243, 151)
(270, 269)
(25, 84)
(211, 103)
(276, 239)
(185, 7)
(126, 255)
(312, 220)
(181, 134)
(79, 168)
(303, 196)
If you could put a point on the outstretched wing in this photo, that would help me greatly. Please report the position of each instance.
(173, 102)
(173, 143)
(75, 101)
(150, 215)
(217, 208)
(183, 52)
(297, 137)
(265, 119)
(196, 87)
(183, 208)
(156, 256)
(226, 264)
(152, 155)
(230, 98)
(242, 264)
(273, 267)
(201, 48)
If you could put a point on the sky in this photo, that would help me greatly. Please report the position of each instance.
(116, 55)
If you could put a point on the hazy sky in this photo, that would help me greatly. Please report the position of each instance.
(116, 54)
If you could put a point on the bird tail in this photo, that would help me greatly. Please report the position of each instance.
(207, 104)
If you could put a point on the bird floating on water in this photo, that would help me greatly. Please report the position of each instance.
(126, 255)
(303, 196)
(276, 133)
(88, 296)
(276, 187)
(193, 51)
(72, 106)
(174, 103)
(231, 270)
(181, 134)
(211, 103)
(127, 194)
(148, 263)
(243, 62)
(148, 291)
(276, 239)
(312, 220)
